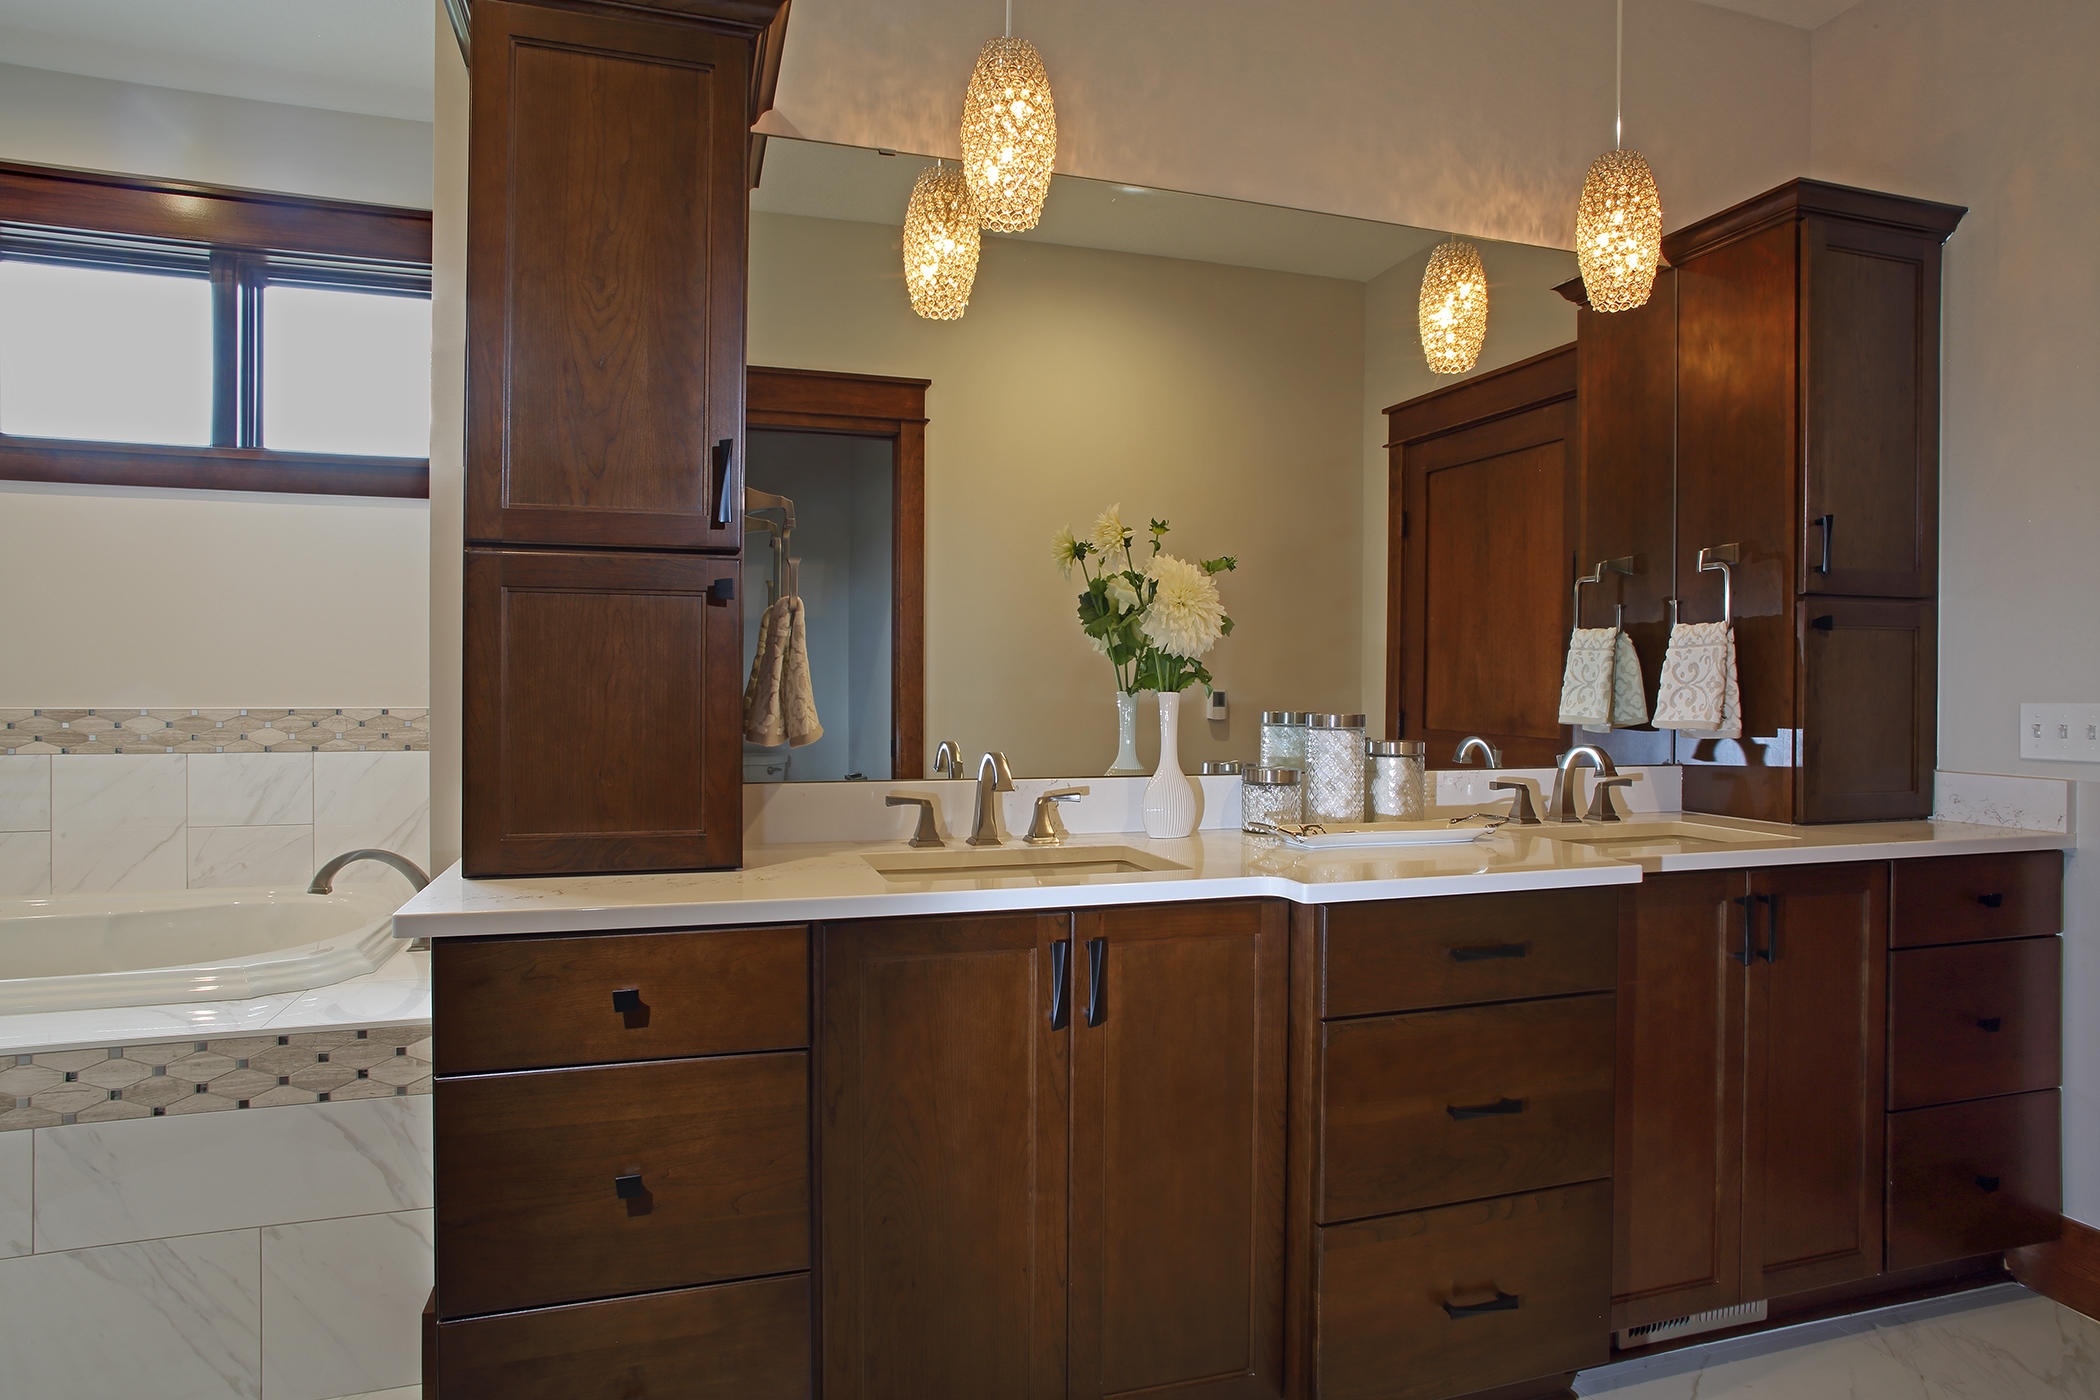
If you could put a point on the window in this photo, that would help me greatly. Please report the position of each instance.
(178, 335)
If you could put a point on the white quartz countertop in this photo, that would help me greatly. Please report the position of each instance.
(796, 883)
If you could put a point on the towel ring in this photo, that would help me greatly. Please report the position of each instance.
(1625, 565)
(1717, 559)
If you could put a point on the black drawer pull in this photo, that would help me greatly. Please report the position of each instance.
(1825, 623)
(1991, 901)
(1501, 1302)
(1060, 984)
(722, 590)
(1993, 1024)
(1500, 1108)
(629, 1006)
(1988, 1183)
(725, 450)
(1096, 981)
(1482, 952)
(1748, 904)
(629, 1188)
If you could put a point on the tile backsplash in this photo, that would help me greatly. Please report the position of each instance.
(115, 816)
(108, 730)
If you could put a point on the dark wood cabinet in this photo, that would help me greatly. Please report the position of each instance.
(1869, 687)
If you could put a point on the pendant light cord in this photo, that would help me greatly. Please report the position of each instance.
(1010, 17)
(1618, 75)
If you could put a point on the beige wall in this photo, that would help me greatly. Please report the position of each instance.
(1996, 107)
(1224, 399)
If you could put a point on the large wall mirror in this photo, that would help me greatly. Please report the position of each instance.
(1219, 365)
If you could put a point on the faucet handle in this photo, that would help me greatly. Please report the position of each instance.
(929, 832)
(1522, 812)
(1047, 828)
(1601, 808)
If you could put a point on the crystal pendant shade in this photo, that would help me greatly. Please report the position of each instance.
(1454, 311)
(1618, 231)
(1009, 135)
(940, 244)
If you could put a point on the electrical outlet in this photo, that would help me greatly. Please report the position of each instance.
(1216, 708)
(2060, 733)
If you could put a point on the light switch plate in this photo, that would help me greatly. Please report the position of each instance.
(1215, 708)
(2060, 732)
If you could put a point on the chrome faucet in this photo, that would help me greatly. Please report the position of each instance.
(993, 778)
(947, 760)
(324, 878)
(1473, 743)
(1567, 786)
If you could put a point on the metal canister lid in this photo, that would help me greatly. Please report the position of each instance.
(1335, 721)
(1229, 768)
(1285, 717)
(1395, 748)
(1270, 777)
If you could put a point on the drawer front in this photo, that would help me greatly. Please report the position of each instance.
(560, 1185)
(1975, 1019)
(733, 1341)
(1444, 1106)
(1409, 954)
(1964, 899)
(1974, 1178)
(531, 1003)
(1464, 1298)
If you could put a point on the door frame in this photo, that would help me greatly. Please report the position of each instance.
(872, 406)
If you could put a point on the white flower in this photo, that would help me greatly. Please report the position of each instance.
(1121, 595)
(1096, 643)
(1064, 548)
(1185, 619)
(1110, 533)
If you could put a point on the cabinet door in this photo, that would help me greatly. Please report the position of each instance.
(1869, 710)
(942, 1132)
(602, 696)
(1817, 1060)
(1678, 1174)
(1177, 1151)
(1870, 365)
(605, 280)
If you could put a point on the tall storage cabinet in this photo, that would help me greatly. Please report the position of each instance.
(609, 164)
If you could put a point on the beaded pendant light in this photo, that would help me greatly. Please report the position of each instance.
(1618, 228)
(1454, 313)
(1009, 133)
(940, 243)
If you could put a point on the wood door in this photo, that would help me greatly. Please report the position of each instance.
(1869, 710)
(1870, 376)
(605, 280)
(942, 1130)
(1177, 1151)
(1678, 1174)
(602, 696)
(1817, 1055)
(1483, 577)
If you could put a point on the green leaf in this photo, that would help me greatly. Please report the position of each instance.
(1221, 564)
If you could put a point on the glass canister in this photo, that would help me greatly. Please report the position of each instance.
(1399, 773)
(1271, 795)
(1283, 739)
(1334, 768)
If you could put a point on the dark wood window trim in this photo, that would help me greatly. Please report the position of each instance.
(867, 405)
(240, 227)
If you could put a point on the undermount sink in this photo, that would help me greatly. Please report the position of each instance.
(1040, 864)
(1658, 838)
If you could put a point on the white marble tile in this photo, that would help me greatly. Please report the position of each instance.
(251, 789)
(137, 1025)
(25, 864)
(372, 799)
(172, 1319)
(1991, 799)
(25, 792)
(100, 1183)
(342, 1304)
(116, 822)
(221, 856)
(15, 1177)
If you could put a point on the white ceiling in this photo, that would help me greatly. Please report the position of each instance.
(1802, 14)
(371, 56)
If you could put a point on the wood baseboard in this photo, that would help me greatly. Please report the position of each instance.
(2066, 1269)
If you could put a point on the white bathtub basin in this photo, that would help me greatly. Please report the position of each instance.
(75, 951)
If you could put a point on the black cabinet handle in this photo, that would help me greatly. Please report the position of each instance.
(722, 590)
(1770, 952)
(1482, 952)
(1500, 1108)
(1828, 525)
(628, 1005)
(1992, 1024)
(1746, 903)
(1825, 623)
(1988, 1183)
(1501, 1302)
(724, 451)
(1096, 975)
(1991, 901)
(629, 1187)
(1060, 984)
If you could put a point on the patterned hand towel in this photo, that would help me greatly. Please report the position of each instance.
(1698, 693)
(798, 698)
(1629, 688)
(765, 723)
(1586, 686)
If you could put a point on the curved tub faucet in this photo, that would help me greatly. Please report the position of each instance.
(324, 878)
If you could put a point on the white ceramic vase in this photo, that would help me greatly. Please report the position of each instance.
(1126, 737)
(1171, 800)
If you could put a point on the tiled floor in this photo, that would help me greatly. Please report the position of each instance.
(1999, 1344)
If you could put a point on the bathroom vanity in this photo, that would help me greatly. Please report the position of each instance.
(1261, 1124)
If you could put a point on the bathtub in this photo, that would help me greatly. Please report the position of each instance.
(72, 952)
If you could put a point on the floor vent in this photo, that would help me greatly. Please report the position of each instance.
(1676, 1327)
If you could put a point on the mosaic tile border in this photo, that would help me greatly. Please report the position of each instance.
(122, 729)
(52, 1088)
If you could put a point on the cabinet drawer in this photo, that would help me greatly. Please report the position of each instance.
(733, 1341)
(1444, 1106)
(1964, 899)
(1973, 1178)
(1403, 955)
(1400, 1299)
(560, 1185)
(1975, 1019)
(529, 1003)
